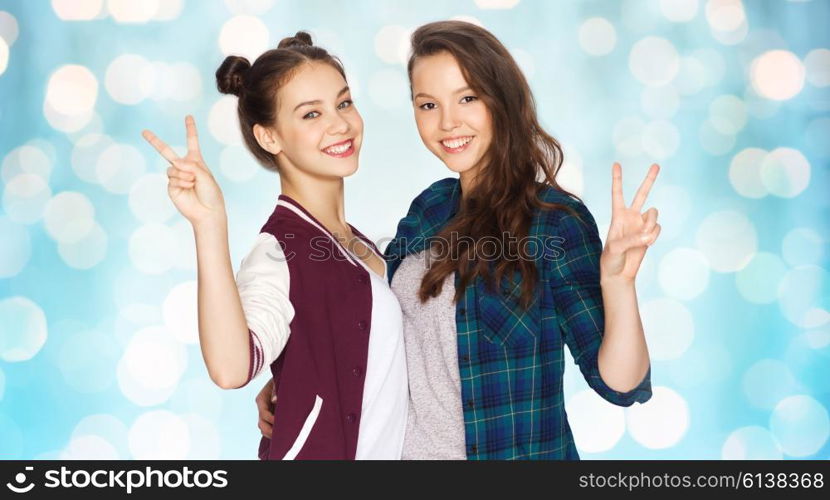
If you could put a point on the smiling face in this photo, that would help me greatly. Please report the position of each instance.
(318, 129)
(452, 120)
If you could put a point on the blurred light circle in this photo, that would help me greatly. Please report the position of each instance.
(627, 136)
(732, 37)
(119, 167)
(675, 205)
(802, 246)
(785, 172)
(168, 10)
(392, 44)
(817, 65)
(67, 123)
(525, 61)
(236, 163)
(745, 173)
(200, 396)
(68, 217)
(87, 252)
(597, 36)
(159, 435)
(751, 443)
(181, 314)
(660, 102)
(758, 282)
(728, 240)
(77, 10)
(766, 382)
(713, 141)
(684, 273)
(669, 328)
(11, 446)
(691, 77)
(245, 36)
(26, 159)
(8, 29)
(89, 447)
(129, 11)
(223, 121)
(597, 425)
(777, 75)
(23, 331)
(654, 61)
(151, 366)
(816, 136)
(130, 78)
(153, 248)
(815, 339)
(72, 90)
(87, 361)
(727, 114)
(149, 201)
(25, 198)
(662, 422)
(253, 7)
(639, 17)
(800, 296)
(714, 64)
(16, 248)
(85, 155)
(496, 4)
(389, 89)
(205, 441)
(4, 56)
(105, 426)
(679, 11)
(188, 82)
(725, 15)
(93, 125)
(660, 139)
(800, 425)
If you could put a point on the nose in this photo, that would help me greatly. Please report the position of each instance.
(448, 119)
(338, 125)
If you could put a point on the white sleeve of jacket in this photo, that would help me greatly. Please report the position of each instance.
(263, 281)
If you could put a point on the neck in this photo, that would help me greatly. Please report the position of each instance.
(323, 198)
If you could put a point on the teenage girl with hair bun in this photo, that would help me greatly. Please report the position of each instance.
(310, 301)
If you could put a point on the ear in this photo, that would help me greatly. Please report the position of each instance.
(267, 139)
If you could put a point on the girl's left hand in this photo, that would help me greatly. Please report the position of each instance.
(631, 232)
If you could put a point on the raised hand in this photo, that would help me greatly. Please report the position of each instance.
(191, 186)
(631, 232)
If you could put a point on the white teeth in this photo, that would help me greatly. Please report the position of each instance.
(456, 143)
(336, 150)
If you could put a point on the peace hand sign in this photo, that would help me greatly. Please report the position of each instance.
(191, 186)
(631, 232)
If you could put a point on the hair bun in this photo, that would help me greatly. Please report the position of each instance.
(230, 77)
(300, 39)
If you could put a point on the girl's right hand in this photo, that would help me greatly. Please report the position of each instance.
(191, 186)
(265, 406)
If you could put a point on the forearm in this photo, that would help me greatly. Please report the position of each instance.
(223, 330)
(623, 356)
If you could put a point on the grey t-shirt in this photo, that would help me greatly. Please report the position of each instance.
(435, 424)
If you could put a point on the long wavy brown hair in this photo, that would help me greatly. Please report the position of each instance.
(521, 160)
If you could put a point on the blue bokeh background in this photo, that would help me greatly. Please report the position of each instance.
(98, 353)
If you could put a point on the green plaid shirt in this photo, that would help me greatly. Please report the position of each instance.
(512, 360)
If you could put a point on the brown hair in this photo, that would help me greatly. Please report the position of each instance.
(257, 85)
(506, 192)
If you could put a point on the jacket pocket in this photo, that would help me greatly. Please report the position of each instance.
(310, 420)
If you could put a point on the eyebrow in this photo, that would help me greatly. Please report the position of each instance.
(424, 94)
(318, 101)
